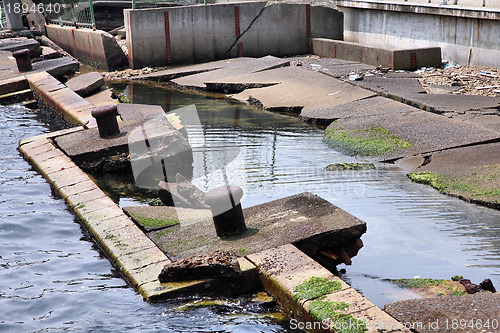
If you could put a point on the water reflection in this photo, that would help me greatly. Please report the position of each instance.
(412, 229)
(54, 279)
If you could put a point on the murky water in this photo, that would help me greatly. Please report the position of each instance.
(52, 277)
(412, 229)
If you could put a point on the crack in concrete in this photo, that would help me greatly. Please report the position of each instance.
(244, 32)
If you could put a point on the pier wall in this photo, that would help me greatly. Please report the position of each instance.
(194, 34)
(466, 35)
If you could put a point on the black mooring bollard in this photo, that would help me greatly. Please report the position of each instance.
(226, 209)
(106, 120)
(23, 60)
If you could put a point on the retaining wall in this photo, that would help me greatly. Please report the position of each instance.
(193, 34)
(92, 47)
(409, 59)
(466, 35)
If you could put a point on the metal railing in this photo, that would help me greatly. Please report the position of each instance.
(3, 18)
(79, 14)
(154, 3)
(455, 2)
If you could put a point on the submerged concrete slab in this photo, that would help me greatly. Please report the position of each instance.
(231, 69)
(470, 173)
(283, 221)
(86, 84)
(479, 312)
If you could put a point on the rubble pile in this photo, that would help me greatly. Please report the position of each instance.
(469, 80)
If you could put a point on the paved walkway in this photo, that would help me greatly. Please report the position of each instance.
(489, 4)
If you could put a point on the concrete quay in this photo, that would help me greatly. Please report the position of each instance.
(140, 260)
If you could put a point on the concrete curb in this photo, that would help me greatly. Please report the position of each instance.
(284, 268)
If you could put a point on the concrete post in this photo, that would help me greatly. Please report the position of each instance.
(13, 12)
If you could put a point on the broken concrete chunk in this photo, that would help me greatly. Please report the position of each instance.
(85, 84)
(216, 264)
(181, 194)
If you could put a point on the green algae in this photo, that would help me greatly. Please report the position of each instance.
(476, 184)
(316, 287)
(418, 282)
(154, 222)
(350, 166)
(330, 312)
(373, 141)
(446, 287)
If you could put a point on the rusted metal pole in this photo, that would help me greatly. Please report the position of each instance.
(23, 60)
(106, 120)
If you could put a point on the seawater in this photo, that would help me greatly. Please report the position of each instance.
(54, 279)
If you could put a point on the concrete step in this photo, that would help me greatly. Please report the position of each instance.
(16, 97)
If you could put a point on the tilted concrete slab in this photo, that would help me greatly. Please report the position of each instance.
(452, 103)
(391, 86)
(86, 84)
(19, 43)
(231, 69)
(427, 132)
(56, 67)
(471, 173)
(298, 89)
(272, 224)
(61, 99)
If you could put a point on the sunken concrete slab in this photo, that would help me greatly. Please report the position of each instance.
(86, 84)
(102, 97)
(288, 220)
(470, 173)
(298, 90)
(231, 69)
(448, 314)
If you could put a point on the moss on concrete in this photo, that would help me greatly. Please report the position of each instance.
(316, 287)
(350, 166)
(154, 222)
(479, 185)
(331, 312)
(373, 141)
(432, 287)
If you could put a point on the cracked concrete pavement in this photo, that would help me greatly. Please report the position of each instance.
(320, 92)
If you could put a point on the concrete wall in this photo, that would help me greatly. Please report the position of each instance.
(193, 34)
(408, 59)
(465, 35)
(92, 47)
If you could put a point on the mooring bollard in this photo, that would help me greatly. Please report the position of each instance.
(23, 60)
(226, 209)
(106, 120)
